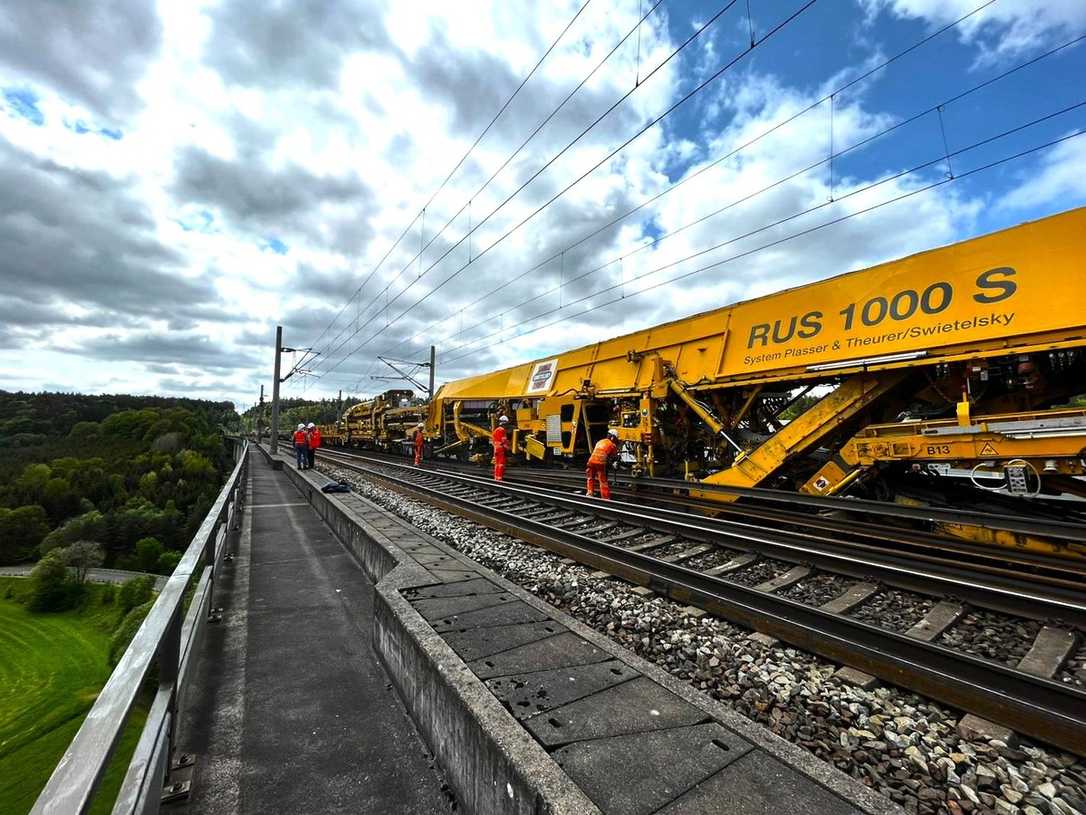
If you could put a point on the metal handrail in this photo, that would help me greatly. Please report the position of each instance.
(168, 637)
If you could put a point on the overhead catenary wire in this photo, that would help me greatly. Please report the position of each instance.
(686, 97)
(641, 247)
(749, 143)
(469, 348)
(531, 136)
(538, 172)
(458, 165)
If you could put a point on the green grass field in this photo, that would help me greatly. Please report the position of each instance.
(51, 669)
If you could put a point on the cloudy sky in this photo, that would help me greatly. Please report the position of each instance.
(177, 179)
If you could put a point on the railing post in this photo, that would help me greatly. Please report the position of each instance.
(169, 668)
(208, 559)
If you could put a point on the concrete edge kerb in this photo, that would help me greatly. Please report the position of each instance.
(491, 762)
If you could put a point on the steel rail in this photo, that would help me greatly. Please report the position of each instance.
(923, 546)
(1050, 711)
(1063, 530)
(999, 592)
(167, 638)
(1010, 561)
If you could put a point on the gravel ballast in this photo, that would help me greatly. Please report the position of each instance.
(904, 746)
(992, 636)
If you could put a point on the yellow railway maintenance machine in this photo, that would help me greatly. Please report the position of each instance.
(942, 370)
(381, 423)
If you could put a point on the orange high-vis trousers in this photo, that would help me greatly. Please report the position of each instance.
(499, 463)
(418, 455)
(594, 472)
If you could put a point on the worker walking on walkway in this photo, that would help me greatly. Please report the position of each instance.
(420, 443)
(314, 435)
(500, 440)
(301, 447)
(604, 451)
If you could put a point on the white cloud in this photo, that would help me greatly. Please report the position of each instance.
(1061, 176)
(1005, 28)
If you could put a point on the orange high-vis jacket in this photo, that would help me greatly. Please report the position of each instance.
(602, 452)
(499, 438)
(299, 437)
(314, 438)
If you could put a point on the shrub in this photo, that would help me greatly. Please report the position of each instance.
(51, 586)
(135, 592)
(167, 562)
(108, 595)
(123, 633)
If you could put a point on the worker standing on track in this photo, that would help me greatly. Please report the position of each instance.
(602, 453)
(301, 447)
(314, 436)
(420, 443)
(500, 440)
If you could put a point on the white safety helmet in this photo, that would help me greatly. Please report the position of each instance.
(301, 427)
(503, 420)
(612, 433)
(311, 425)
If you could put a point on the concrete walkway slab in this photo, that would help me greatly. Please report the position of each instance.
(484, 642)
(530, 694)
(638, 774)
(559, 651)
(292, 712)
(637, 706)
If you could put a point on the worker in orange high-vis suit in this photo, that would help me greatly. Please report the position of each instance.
(604, 451)
(500, 439)
(301, 447)
(313, 437)
(420, 443)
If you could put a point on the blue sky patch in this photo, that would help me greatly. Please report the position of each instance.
(23, 102)
(81, 127)
(276, 245)
(197, 222)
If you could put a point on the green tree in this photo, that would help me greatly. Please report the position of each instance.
(21, 531)
(83, 556)
(82, 431)
(31, 484)
(148, 551)
(90, 526)
(59, 500)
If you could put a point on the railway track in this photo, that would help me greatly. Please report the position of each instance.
(867, 525)
(802, 588)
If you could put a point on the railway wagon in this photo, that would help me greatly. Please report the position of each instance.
(381, 423)
(958, 365)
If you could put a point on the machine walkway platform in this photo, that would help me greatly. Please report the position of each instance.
(524, 709)
(291, 710)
